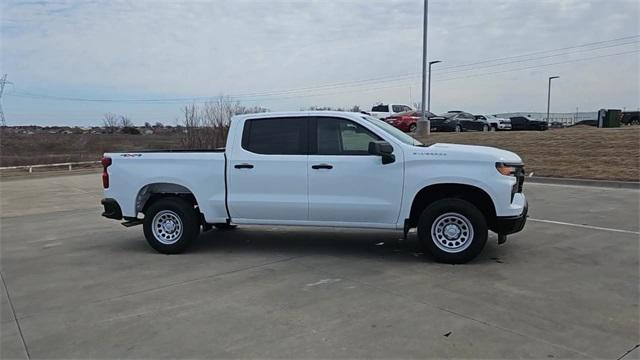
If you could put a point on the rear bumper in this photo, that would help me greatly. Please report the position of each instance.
(506, 225)
(504, 126)
(111, 209)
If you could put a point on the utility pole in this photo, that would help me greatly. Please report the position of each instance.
(549, 96)
(429, 91)
(423, 127)
(3, 81)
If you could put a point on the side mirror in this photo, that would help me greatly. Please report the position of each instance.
(383, 149)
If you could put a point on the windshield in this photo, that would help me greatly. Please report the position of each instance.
(393, 131)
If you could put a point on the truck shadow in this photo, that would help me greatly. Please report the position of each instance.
(295, 241)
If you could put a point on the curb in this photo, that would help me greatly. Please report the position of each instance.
(584, 182)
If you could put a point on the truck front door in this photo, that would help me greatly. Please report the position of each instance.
(346, 184)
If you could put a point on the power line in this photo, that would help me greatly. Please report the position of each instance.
(372, 81)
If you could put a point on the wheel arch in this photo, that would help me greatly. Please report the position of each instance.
(471, 193)
(151, 192)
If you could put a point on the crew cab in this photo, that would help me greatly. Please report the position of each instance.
(320, 168)
(383, 111)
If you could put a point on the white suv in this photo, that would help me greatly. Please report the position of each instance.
(495, 123)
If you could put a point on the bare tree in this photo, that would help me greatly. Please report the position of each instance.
(354, 108)
(207, 126)
(125, 122)
(110, 122)
(158, 124)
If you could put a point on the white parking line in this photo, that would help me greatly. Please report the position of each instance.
(585, 226)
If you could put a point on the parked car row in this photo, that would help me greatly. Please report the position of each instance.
(406, 119)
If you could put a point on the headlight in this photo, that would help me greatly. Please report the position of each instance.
(505, 169)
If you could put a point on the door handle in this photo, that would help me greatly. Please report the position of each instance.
(243, 166)
(322, 166)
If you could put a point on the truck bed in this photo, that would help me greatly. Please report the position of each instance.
(133, 174)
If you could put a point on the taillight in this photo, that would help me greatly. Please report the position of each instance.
(106, 162)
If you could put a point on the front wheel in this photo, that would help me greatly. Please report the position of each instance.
(412, 128)
(485, 128)
(458, 128)
(454, 231)
(170, 224)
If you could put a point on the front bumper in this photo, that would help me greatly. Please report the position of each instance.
(506, 225)
(504, 126)
(111, 209)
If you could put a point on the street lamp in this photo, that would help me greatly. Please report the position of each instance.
(549, 96)
(429, 91)
(423, 127)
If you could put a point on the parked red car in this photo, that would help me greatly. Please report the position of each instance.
(406, 121)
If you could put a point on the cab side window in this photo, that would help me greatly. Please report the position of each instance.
(276, 136)
(337, 136)
(380, 108)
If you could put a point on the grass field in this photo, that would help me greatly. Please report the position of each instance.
(579, 152)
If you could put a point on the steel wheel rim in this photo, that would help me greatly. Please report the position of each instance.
(167, 227)
(452, 232)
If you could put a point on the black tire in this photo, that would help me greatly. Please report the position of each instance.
(224, 226)
(494, 127)
(178, 212)
(485, 128)
(412, 128)
(458, 128)
(464, 217)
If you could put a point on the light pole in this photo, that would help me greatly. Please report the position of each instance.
(423, 127)
(429, 88)
(549, 96)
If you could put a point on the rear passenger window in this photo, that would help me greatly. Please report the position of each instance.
(380, 108)
(398, 108)
(276, 136)
(343, 137)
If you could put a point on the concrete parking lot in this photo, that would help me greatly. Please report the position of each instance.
(76, 285)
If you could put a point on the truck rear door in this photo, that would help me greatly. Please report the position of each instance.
(267, 173)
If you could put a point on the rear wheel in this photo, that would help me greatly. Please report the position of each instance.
(458, 128)
(485, 128)
(170, 224)
(453, 230)
(494, 127)
(412, 128)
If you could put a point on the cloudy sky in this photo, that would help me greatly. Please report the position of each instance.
(146, 59)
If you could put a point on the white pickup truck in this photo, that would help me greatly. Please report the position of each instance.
(320, 168)
(383, 111)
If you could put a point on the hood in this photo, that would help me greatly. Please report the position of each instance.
(469, 153)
